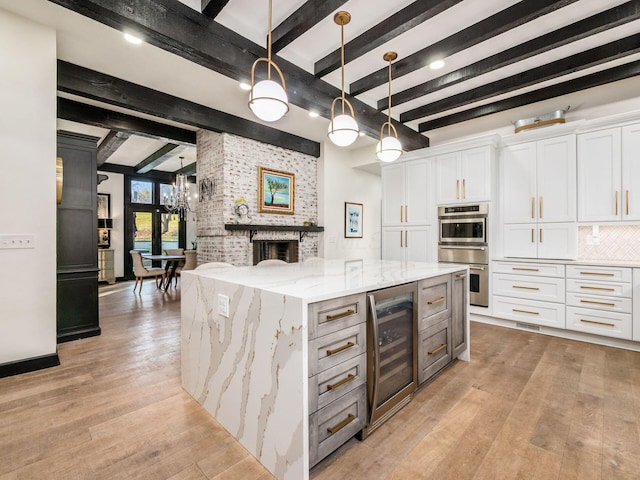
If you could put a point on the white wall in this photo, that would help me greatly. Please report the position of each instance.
(28, 146)
(340, 182)
(114, 186)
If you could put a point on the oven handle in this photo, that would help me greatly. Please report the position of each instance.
(455, 247)
(476, 268)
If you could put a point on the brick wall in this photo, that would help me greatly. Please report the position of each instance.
(232, 162)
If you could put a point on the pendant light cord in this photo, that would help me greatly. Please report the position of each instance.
(342, 61)
(269, 44)
(389, 112)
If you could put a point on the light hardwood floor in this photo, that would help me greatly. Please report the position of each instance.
(527, 406)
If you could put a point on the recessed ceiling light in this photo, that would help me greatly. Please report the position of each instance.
(245, 86)
(132, 39)
(313, 114)
(436, 65)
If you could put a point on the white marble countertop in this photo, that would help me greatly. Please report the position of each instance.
(318, 280)
(579, 261)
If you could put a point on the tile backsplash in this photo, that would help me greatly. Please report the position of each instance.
(619, 242)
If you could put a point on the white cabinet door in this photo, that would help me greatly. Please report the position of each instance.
(475, 174)
(556, 179)
(518, 183)
(636, 304)
(393, 196)
(418, 209)
(631, 172)
(599, 176)
(558, 240)
(520, 240)
(448, 188)
(419, 244)
(393, 243)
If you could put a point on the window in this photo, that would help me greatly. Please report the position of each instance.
(141, 191)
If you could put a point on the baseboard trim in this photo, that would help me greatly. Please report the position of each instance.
(29, 365)
(77, 334)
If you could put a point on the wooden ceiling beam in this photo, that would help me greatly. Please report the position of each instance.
(105, 88)
(304, 18)
(593, 25)
(385, 31)
(211, 8)
(181, 30)
(121, 122)
(167, 177)
(158, 157)
(565, 66)
(110, 144)
(604, 77)
(507, 19)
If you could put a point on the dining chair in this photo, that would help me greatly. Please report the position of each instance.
(213, 265)
(190, 263)
(141, 272)
(271, 261)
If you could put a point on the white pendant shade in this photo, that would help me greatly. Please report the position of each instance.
(268, 101)
(343, 131)
(389, 149)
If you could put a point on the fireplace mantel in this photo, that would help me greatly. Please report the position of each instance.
(253, 229)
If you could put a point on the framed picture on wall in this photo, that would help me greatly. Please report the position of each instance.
(104, 207)
(276, 191)
(104, 222)
(352, 220)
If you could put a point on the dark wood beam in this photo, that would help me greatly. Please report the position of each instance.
(105, 88)
(565, 66)
(385, 31)
(614, 17)
(166, 177)
(112, 142)
(121, 122)
(604, 77)
(507, 19)
(211, 8)
(176, 28)
(189, 171)
(304, 18)
(158, 157)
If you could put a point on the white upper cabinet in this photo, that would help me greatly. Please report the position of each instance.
(405, 194)
(600, 175)
(539, 181)
(630, 173)
(464, 176)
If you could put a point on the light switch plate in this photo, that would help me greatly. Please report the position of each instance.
(223, 305)
(17, 241)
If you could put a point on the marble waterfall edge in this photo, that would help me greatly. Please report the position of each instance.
(247, 370)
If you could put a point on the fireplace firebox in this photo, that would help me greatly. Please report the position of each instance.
(286, 250)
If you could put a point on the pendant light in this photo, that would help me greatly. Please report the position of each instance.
(268, 99)
(343, 129)
(389, 148)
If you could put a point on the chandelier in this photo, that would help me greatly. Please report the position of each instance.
(178, 200)
(389, 147)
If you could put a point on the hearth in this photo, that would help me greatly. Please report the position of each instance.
(286, 250)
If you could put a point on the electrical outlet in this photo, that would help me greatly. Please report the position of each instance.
(17, 241)
(223, 305)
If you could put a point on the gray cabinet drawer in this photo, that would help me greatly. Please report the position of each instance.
(434, 349)
(335, 314)
(336, 423)
(434, 300)
(337, 381)
(330, 350)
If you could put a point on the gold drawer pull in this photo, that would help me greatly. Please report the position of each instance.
(340, 315)
(350, 418)
(598, 303)
(526, 269)
(525, 288)
(341, 382)
(441, 347)
(433, 302)
(463, 275)
(599, 274)
(340, 349)
(597, 323)
(598, 288)
(525, 311)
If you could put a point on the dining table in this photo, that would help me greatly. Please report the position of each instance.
(172, 262)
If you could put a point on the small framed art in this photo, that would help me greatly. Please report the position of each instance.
(352, 220)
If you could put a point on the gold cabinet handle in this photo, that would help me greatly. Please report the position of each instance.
(627, 200)
(350, 418)
(533, 238)
(598, 323)
(591, 302)
(341, 349)
(540, 232)
(525, 311)
(406, 238)
(526, 269)
(525, 288)
(347, 379)
(458, 189)
(539, 207)
(598, 288)
(438, 300)
(533, 207)
(401, 245)
(463, 275)
(440, 348)
(346, 313)
(600, 274)
(401, 208)
(406, 213)
(616, 202)
(464, 188)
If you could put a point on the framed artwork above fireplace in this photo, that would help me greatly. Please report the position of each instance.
(276, 191)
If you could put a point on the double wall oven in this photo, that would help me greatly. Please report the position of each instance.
(462, 238)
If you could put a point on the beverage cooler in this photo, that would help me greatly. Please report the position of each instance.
(392, 373)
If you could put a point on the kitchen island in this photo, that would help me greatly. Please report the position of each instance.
(245, 345)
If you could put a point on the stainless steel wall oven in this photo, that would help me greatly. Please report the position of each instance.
(463, 239)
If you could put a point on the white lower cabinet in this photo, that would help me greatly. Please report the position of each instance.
(548, 240)
(415, 244)
(636, 304)
(529, 311)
